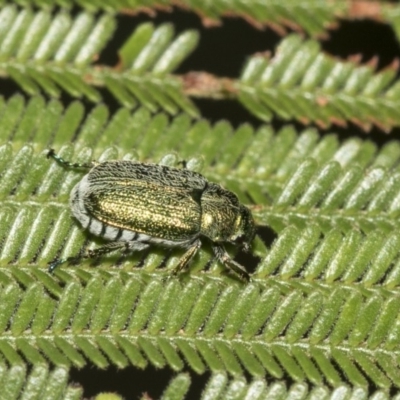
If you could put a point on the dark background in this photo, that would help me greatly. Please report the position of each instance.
(222, 51)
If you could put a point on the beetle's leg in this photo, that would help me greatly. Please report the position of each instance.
(100, 251)
(88, 254)
(225, 258)
(187, 257)
(51, 153)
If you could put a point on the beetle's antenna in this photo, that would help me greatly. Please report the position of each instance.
(51, 154)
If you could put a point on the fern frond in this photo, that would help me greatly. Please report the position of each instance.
(121, 319)
(335, 197)
(323, 302)
(309, 15)
(49, 53)
(370, 261)
(219, 386)
(313, 17)
(39, 382)
(302, 83)
(44, 52)
(299, 259)
(146, 59)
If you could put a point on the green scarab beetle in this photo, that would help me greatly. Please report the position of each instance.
(135, 205)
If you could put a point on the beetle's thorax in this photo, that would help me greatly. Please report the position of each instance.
(223, 218)
(219, 212)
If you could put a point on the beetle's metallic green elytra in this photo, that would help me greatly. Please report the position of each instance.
(134, 205)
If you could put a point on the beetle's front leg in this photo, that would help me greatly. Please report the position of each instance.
(187, 257)
(226, 259)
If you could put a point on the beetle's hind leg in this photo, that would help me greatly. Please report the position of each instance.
(226, 259)
(51, 153)
(125, 247)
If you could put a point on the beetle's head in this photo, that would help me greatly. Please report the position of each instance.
(245, 228)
